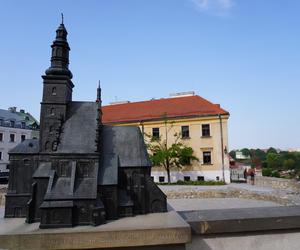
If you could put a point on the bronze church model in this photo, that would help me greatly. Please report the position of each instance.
(79, 172)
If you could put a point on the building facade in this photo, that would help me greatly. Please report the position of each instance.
(15, 127)
(201, 124)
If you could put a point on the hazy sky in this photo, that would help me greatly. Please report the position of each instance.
(244, 55)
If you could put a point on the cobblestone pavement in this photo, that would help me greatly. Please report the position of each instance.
(233, 190)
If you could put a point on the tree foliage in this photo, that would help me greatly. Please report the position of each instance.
(232, 153)
(175, 155)
(273, 162)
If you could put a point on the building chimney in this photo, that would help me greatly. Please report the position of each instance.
(12, 109)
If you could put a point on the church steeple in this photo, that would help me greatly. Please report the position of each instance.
(60, 53)
(98, 93)
(57, 92)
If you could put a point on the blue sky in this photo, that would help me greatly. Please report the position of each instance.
(244, 55)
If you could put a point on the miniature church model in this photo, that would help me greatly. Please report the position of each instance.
(79, 172)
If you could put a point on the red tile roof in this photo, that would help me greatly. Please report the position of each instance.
(190, 106)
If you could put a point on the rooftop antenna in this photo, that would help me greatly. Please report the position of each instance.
(62, 18)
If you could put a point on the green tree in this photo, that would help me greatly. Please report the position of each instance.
(260, 154)
(289, 164)
(273, 161)
(245, 151)
(272, 150)
(232, 153)
(175, 155)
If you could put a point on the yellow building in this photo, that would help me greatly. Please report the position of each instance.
(201, 124)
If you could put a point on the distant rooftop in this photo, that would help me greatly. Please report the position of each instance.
(17, 119)
(182, 105)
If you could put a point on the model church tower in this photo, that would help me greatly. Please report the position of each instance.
(80, 172)
(57, 92)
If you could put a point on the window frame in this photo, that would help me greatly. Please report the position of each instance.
(185, 134)
(161, 179)
(204, 130)
(204, 158)
(186, 178)
(155, 136)
(200, 178)
(12, 136)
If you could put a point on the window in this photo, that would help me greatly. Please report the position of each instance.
(205, 130)
(12, 124)
(1, 136)
(23, 137)
(0, 155)
(47, 145)
(1, 122)
(155, 133)
(206, 157)
(52, 111)
(185, 132)
(200, 178)
(23, 125)
(152, 178)
(63, 169)
(54, 91)
(217, 178)
(12, 137)
(187, 178)
(161, 179)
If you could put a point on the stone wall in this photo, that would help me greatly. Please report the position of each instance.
(277, 183)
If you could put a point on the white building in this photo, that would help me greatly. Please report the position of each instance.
(14, 128)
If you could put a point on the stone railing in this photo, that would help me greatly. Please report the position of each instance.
(277, 183)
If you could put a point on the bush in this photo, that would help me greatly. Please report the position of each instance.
(266, 171)
(275, 174)
(196, 183)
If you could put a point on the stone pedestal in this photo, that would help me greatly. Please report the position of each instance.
(160, 229)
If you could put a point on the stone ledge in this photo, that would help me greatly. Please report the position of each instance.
(143, 230)
(242, 220)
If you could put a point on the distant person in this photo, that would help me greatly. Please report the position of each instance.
(252, 176)
(245, 174)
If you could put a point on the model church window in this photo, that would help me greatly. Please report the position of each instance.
(52, 111)
(205, 130)
(47, 145)
(63, 169)
(54, 91)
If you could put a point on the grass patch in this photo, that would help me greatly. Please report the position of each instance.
(194, 183)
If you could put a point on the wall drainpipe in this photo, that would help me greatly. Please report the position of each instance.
(222, 146)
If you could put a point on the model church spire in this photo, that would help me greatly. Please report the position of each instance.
(60, 53)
